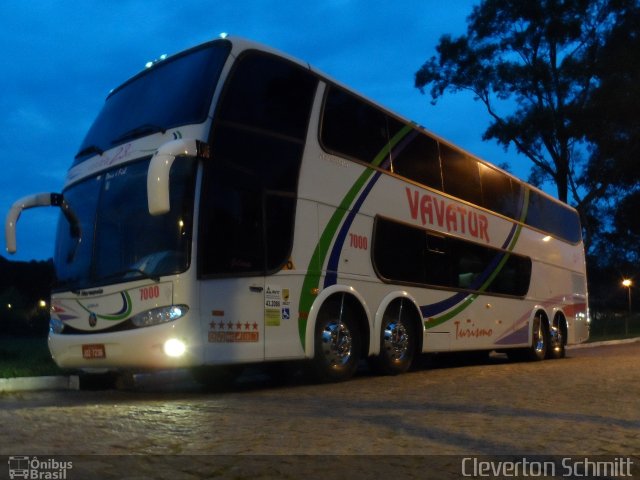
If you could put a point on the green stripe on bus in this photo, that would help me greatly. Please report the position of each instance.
(314, 269)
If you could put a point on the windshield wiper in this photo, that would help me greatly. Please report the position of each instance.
(139, 131)
(88, 150)
(139, 271)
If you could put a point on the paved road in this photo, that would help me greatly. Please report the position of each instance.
(584, 405)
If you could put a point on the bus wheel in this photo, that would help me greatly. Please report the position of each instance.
(539, 343)
(337, 345)
(557, 340)
(397, 343)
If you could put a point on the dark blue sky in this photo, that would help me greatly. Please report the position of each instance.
(62, 57)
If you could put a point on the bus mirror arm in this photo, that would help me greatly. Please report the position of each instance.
(158, 194)
(37, 200)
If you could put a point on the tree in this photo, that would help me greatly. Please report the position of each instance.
(610, 122)
(22, 286)
(534, 67)
(618, 244)
(611, 125)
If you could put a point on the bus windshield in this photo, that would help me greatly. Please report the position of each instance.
(174, 92)
(119, 240)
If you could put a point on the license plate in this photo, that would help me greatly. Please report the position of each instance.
(93, 351)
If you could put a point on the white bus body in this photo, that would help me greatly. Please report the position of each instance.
(254, 218)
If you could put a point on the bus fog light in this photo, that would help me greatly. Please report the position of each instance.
(174, 347)
(160, 315)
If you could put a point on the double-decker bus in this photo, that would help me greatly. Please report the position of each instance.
(232, 205)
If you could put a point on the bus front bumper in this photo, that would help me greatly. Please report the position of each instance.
(160, 346)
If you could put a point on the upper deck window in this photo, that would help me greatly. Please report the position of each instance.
(460, 175)
(356, 129)
(172, 93)
(555, 218)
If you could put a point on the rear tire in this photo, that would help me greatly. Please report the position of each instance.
(557, 340)
(397, 342)
(337, 343)
(539, 343)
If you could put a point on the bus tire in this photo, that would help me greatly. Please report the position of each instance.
(337, 343)
(539, 340)
(557, 339)
(397, 342)
(539, 343)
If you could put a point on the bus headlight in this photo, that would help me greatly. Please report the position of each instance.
(160, 315)
(174, 348)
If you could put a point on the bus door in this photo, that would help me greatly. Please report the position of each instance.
(231, 264)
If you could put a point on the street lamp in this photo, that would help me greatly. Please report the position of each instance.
(627, 284)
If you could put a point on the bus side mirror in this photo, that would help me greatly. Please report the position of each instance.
(37, 200)
(158, 193)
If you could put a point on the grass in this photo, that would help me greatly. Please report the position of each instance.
(26, 357)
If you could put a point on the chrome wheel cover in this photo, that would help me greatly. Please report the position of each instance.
(395, 340)
(556, 340)
(336, 343)
(538, 336)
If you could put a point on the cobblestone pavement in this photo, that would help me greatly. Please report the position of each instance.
(584, 405)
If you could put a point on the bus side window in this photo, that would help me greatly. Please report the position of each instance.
(460, 175)
(419, 161)
(399, 251)
(403, 253)
(500, 193)
(351, 127)
(554, 218)
(438, 261)
(471, 262)
(355, 129)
